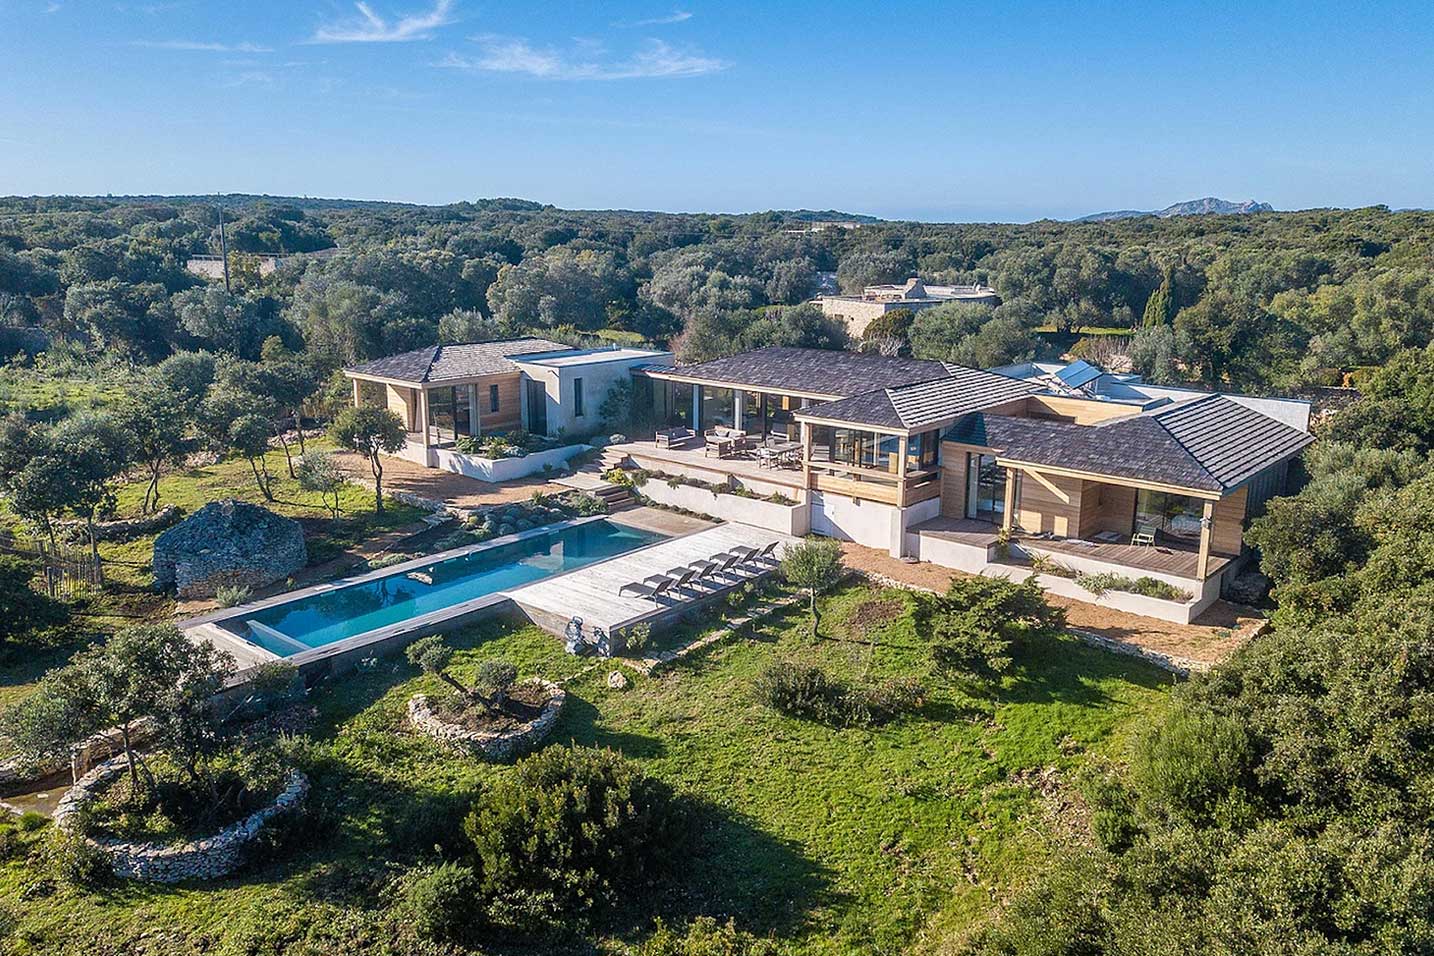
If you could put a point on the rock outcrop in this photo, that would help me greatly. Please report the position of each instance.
(228, 543)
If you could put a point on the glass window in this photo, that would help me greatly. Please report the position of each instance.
(492, 398)
(719, 407)
(754, 413)
(577, 398)
(923, 451)
(679, 404)
(985, 488)
(1170, 516)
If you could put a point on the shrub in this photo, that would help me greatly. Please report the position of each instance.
(585, 505)
(1188, 762)
(439, 901)
(1112, 807)
(565, 832)
(803, 690)
(74, 860)
(387, 560)
(638, 636)
(980, 623)
(495, 679)
(232, 595)
(1099, 584)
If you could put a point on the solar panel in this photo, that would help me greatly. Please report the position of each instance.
(1078, 373)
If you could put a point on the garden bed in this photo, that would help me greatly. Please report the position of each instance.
(141, 851)
(524, 721)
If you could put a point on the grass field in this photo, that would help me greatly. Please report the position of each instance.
(129, 596)
(884, 840)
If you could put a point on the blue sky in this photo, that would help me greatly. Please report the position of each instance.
(943, 111)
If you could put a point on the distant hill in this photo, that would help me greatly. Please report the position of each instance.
(1194, 207)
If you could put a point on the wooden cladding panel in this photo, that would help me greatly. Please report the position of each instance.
(403, 402)
(953, 481)
(1081, 411)
(1228, 534)
(510, 409)
(1050, 503)
(867, 490)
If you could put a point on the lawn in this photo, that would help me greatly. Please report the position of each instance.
(884, 840)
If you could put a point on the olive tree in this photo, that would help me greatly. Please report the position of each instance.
(96, 450)
(815, 566)
(372, 432)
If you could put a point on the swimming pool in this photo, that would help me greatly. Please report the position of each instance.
(324, 618)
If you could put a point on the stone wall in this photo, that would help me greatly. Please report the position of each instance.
(492, 746)
(124, 529)
(205, 859)
(228, 543)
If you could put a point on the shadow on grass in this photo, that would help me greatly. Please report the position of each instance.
(1067, 671)
(581, 724)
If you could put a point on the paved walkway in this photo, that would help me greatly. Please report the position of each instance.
(1213, 636)
(458, 490)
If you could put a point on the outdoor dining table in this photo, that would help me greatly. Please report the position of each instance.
(771, 455)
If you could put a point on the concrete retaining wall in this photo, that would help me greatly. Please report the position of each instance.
(788, 519)
(503, 469)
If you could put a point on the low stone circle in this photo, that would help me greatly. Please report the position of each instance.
(491, 745)
(206, 859)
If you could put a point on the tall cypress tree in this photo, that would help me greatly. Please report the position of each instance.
(1158, 307)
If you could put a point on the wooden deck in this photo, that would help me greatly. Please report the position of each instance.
(1166, 560)
(1160, 557)
(591, 592)
(691, 455)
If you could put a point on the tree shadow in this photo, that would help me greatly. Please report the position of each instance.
(1063, 670)
(581, 723)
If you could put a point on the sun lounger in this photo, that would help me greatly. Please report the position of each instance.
(770, 551)
(680, 577)
(652, 586)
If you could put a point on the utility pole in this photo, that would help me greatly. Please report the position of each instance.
(223, 248)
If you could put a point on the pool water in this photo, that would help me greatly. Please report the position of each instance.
(321, 619)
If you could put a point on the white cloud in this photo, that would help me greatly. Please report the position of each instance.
(517, 55)
(676, 16)
(369, 27)
(202, 46)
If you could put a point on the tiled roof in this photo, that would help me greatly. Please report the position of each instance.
(1210, 443)
(814, 371)
(439, 363)
(925, 403)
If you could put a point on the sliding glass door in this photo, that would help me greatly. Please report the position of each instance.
(985, 488)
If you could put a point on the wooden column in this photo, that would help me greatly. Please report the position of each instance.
(806, 454)
(739, 409)
(1008, 518)
(358, 393)
(1207, 529)
(901, 472)
(423, 414)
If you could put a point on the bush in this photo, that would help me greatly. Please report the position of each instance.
(1112, 807)
(1147, 586)
(585, 505)
(980, 623)
(232, 595)
(75, 861)
(495, 679)
(387, 560)
(565, 832)
(1189, 761)
(803, 690)
(638, 637)
(440, 901)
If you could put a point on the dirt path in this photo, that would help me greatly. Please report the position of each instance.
(1213, 636)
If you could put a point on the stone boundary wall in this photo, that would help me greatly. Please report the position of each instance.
(492, 746)
(206, 859)
(124, 529)
(83, 755)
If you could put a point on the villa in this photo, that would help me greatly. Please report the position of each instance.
(914, 295)
(1065, 471)
(444, 393)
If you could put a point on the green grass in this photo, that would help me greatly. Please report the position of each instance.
(50, 393)
(834, 841)
(129, 596)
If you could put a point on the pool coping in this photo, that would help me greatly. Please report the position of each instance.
(381, 635)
